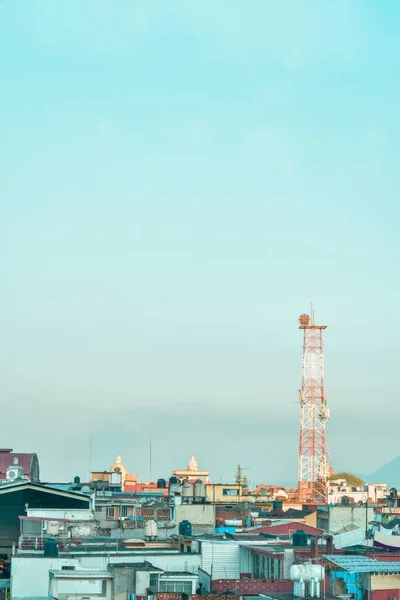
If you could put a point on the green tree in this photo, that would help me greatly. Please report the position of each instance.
(239, 475)
(351, 479)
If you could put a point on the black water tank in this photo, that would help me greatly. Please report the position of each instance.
(185, 528)
(300, 538)
(345, 500)
(393, 493)
(51, 548)
(77, 479)
(161, 484)
(173, 480)
(277, 505)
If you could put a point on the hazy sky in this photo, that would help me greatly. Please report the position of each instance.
(177, 180)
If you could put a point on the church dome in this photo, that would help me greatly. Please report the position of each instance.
(192, 466)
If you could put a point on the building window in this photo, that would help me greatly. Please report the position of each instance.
(110, 512)
(230, 492)
(67, 568)
(124, 511)
(176, 587)
(154, 582)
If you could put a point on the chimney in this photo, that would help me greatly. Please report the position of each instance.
(329, 544)
(314, 547)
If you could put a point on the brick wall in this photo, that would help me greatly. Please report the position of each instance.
(149, 513)
(176, 596)
(168, 596)
(214, 596)
(252, 586)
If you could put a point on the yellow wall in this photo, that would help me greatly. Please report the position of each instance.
(100, 476)
(311, 519)
(215, 492)
(385, 582)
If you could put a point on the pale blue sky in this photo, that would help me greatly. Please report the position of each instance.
(177, 180)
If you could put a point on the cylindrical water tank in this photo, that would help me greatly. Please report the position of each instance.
(77, 479)
(150, 529)
(233, 523)
(161, 483)
(307, 572)
(185, 528)
(277, 505)
(296, 572)
(173, 479)
(199, 490)
(51, 548)
(187, 490)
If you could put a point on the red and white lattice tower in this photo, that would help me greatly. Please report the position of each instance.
(313, 459)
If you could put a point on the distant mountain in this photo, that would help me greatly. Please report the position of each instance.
(389, 473)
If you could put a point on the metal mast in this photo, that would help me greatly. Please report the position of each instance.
(313, 463)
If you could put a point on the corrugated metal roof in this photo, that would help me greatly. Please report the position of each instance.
(363, 564)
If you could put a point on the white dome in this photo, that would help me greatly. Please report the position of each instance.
(192, 466)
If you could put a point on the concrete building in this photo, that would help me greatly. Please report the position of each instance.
(96, 585)
(142, 579)
(201, 517)
(252, 566)
(31, 571)
(336, 518)
(339, 491)
(226, 493)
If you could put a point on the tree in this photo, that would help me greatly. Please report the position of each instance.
(245, 483)
(351, 479)
(239, 475)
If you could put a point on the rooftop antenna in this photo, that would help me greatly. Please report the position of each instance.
(312, 313)
(150, 455)
(90, 457)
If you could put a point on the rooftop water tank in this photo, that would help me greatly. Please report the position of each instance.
(277, 505)
(306, 572)
(185, 528)
(300, 538)
(233, 523)
(199, 491)
(173, 479)
(77, 479)
(150, 529)
(161, 484)
(187, 490)
(51, 548)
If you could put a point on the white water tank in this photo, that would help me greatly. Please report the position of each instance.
(199, 491)
(150, 529)
(187, 490)
(307, 579)
(233, 523)
(306, 572)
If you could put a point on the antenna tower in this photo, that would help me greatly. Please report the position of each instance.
(313, 458)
